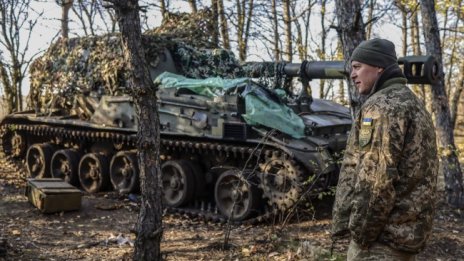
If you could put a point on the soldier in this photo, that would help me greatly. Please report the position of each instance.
(385, 196)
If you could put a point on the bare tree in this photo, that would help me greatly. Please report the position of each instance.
(410, 33)
(17, 23)
(65, 7)
(370, 16)
(456, 97)
(288, 30)
(456, 41)
(351, 32)
(300, 16)
(193, 5)
(275, 27)
(244, 18)
(404, 27)
(223, 25)
(163, 8)
(307, 23)
(449, 160)
(214, 9)
(322, 49)
(149, 225)
(300, 50)
(91, 16)
(419, 90)
(341, 87)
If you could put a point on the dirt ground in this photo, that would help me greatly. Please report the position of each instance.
(101, 230)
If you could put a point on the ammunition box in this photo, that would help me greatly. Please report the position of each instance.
(51, 195)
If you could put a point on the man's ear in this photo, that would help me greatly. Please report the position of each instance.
(380, 70)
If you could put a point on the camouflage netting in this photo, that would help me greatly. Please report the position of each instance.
(95, 65)
(196, 28)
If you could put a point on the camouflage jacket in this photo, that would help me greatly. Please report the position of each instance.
(387, 185)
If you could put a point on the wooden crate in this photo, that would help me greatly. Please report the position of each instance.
(51, 195)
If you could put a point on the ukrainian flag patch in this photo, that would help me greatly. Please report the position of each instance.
(365, 133)
(367, 122)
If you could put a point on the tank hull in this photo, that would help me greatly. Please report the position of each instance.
(197, 169)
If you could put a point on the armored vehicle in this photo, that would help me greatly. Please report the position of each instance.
(231, 148)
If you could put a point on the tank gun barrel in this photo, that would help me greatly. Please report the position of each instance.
(417, 69)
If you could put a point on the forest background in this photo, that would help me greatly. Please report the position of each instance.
(286, 30)
(291, 31)
(257, 30)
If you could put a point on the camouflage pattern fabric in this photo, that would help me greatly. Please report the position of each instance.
(204, 63)
(95, 66)
(377, 252)
(387, 186)
(196, 29)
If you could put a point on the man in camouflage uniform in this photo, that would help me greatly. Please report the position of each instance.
(385, 196)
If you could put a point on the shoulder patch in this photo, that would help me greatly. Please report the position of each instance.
(365, 133)
(367, 122)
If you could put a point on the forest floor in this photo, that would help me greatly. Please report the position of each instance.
(101, 230)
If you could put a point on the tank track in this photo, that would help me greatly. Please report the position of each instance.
(201, 210)
(10, 164)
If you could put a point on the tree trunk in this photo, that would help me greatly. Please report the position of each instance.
(445, 23)
(419, 90)
(193, 6)
(288, 31)
(370, 16)
(307, 24)
(244, 16)
(301, 52)
(452, 63)
(322, 50)
(275, 26)
(240, 22)
(351, 32)
(215, 36)
(449, 160)
(17, 79)
(149, 225)
(65, 5)
(223, 25)
(404, 27)
(15, 19)
(341, 88)
(8, 89)
(457, 97)
(163, 8)
(246, 36)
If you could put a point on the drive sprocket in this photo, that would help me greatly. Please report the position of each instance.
(281, 180)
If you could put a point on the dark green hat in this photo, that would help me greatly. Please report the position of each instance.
(376, 52)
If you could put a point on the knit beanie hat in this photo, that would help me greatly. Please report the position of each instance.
(376, 52)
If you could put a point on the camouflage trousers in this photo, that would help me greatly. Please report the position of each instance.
(377, 252)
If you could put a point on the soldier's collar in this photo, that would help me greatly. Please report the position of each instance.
(390, 75)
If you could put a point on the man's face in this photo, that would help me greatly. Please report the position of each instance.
(364, 76)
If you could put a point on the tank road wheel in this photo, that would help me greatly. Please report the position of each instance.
(236, 197)
(281, 181)
(124, 172)
(14, 144)
(93, 172)
(38, 158)
(64, 165)
(178, 183)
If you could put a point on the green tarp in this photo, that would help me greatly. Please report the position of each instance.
(262, 106)
(209, 87)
